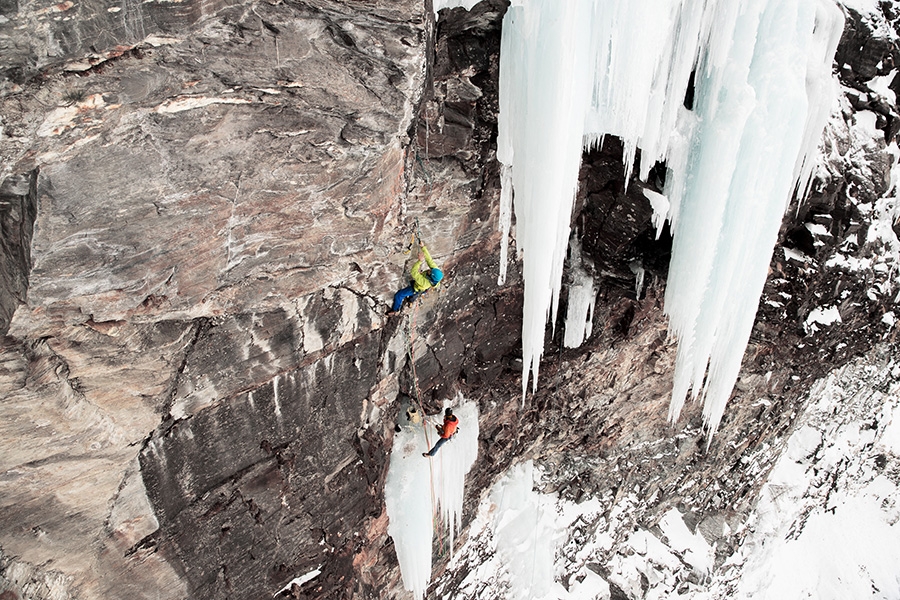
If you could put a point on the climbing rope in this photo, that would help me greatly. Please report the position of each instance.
(412, 361)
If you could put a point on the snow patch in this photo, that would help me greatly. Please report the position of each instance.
(790, 254)
(882, 86)
(695, 551)
(826, 522)
(299, 581)
(863, 7)
(817, 229)
(849, 263)
(821, 316)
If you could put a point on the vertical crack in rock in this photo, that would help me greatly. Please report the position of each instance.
(18, 209)
(199, 328)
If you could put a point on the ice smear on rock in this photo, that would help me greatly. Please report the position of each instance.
(522, 530)
(518, 525)
(417, 489)
(580, 310)
(573, 72)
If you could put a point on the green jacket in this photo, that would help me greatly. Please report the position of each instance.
(420, 282)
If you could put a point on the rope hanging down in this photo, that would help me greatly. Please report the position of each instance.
(436, 522)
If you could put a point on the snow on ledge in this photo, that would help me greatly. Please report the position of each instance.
(299, 580)
(821, 316)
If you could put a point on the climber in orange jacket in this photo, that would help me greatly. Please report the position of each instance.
(420, 282)
(446, 431)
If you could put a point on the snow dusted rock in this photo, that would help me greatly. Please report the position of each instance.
(825, 523)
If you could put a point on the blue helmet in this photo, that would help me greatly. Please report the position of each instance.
(435, 275)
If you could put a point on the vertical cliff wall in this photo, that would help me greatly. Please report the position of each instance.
(219, 200)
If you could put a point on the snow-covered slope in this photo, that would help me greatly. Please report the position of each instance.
(825, 526)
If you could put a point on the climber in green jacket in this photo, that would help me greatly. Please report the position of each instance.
(421, 281)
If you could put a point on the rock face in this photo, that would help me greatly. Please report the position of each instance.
(198, 381)
(219, 203)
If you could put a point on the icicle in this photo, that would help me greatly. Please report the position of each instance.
(573, 72)
(580, 310)
(639, 272)
(275, 396)
(660, 206)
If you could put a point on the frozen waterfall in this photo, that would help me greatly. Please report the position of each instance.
(573, 72)
(420, 492)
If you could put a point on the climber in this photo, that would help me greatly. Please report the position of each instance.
(421, 282)
(446, 431)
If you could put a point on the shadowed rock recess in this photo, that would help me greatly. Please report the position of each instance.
(205, 208)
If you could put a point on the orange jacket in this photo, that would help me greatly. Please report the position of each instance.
(449, 427)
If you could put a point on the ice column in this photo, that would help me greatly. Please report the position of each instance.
(417, 489)
(544, 95)
(580, 310)
(763, 91)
